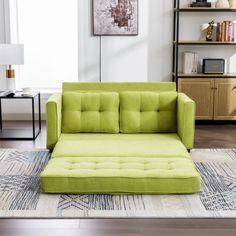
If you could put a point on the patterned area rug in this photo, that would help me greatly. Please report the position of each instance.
(20, 195)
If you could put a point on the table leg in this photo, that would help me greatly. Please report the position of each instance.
(39, 104)
(33, 118)
(0, 114)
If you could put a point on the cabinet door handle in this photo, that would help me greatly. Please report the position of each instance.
(234, 88)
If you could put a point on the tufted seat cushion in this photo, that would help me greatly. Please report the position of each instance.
(90, 112)
(148, 112)
(120, 175)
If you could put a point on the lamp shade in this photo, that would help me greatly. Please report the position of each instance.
(11, 54)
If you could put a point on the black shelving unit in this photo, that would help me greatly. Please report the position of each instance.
(177, 42)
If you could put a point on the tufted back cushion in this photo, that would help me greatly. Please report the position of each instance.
(90, 112)
(148, 112)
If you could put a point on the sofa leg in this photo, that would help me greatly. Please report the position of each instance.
(189, 150)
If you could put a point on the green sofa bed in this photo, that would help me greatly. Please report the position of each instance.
(120, 138)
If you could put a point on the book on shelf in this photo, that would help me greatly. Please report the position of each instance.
(226, 35)
(200, 4)
(225, 31)
(190, 62)
(234, 31)
(219, 31)
(231, 32)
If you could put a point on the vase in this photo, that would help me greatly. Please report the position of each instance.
(232, 3)
(222, 4)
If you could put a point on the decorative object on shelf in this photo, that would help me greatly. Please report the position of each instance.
(200, 3)
(9, 93)
(115, 17)
(222, 4)
(190, 62)
(26, 92)
(213, 66)
(205, 29)
(210, 29)
(213, 3)
(232, 3)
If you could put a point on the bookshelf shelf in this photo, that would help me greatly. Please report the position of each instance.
(204, 43)
(204, 9)
(177, 42)
(189, 76)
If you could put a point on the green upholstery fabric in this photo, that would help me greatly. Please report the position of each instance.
(119, 87)
(148, 156)
(120, 145)
(120, 175)
(53, 118)
(90, 112)
(186, 120)
(148, 112)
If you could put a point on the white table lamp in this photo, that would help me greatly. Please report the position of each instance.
(11, 54)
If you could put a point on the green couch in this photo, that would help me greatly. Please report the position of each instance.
(120, 138)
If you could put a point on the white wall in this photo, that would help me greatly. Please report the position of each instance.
(146, 57)
(88, 46)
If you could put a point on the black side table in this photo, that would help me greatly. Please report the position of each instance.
(23, 134)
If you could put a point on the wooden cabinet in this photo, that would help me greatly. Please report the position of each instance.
(202, 92)
(225, 99)
(215, 98)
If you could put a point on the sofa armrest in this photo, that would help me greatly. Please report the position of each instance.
(53, 119)
(186, 120)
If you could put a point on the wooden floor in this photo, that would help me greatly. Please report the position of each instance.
(215, 136)
(207, 136)
(132, 227)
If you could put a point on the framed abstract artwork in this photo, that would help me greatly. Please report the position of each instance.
(115, 17)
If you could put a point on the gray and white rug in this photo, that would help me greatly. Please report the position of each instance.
(20, 196)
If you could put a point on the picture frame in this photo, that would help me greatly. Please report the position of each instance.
(115, 17)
